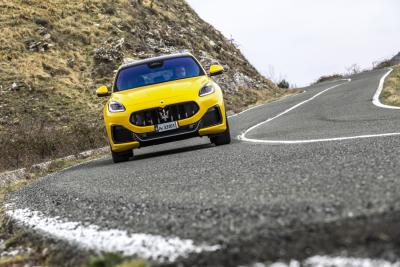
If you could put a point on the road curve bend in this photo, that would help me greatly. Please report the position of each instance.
(330, 164)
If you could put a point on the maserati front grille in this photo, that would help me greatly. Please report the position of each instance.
(170, 113)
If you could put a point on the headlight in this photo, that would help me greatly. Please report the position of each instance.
(115, 106)
(207, 89)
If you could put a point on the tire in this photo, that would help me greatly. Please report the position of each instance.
(223, 138)
(121, 156)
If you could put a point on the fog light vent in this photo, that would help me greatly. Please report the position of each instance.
(121, 135)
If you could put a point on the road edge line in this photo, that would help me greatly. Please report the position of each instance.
(288, 142)
(376, 99)
(243, 137)
(92, 237)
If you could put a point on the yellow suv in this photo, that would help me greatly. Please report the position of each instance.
(163, 99)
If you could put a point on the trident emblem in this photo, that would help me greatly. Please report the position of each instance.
(164, 114)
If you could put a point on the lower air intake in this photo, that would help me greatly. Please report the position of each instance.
(121, 135)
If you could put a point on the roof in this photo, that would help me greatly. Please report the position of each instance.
(152, 59)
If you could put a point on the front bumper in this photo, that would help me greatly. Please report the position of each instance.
(201, 124)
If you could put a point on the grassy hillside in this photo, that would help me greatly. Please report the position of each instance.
(391, 90)
(395, 60)
(53, 55)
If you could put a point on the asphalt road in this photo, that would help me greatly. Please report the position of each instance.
(259, 201)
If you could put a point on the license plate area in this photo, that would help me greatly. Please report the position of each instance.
(164, 127)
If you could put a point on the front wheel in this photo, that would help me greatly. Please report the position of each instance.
(223, 138)
(121, 156)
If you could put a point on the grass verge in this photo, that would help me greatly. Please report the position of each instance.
(391, 91)
(21, 247)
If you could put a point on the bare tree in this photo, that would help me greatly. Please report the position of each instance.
(233, 42)
(353, 69)
(271, 73)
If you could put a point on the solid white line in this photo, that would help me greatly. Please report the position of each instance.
(260, 105)
(236, 114)
(92, 237)
(318, 140)
(243, 135)
(280, 99)
(326, 261)
(329, 261)
(375, 100)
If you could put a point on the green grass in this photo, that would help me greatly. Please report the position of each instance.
(115, 260)
(391, 92)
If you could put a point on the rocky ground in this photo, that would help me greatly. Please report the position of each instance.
(54, 55)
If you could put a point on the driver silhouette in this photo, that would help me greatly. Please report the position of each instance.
(180, 72)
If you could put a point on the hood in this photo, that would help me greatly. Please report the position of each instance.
(161, 91)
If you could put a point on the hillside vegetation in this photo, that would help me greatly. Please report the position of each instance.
(53, 55)
(391, 90)
(328, 78)
(395, 60)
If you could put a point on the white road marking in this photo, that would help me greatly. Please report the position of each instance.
(327, 261)
(236, 114)
(375, 100)
(243, 137)
(280, 99)
(92, 237)
(260, 105)
(168, 249)
(319, 140)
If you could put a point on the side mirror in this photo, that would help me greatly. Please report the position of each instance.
(216, 70)
(102, 91)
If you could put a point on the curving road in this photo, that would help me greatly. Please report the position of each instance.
(333, 185)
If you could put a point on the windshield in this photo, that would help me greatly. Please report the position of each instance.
(157, 72)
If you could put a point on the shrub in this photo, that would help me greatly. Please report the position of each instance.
(384, 64)
(329, 78)
(284, 84)
(33, 142)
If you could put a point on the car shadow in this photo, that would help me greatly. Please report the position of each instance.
(105, 161)
(171, 151)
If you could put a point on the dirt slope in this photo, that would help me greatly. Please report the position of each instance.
(53, 55)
